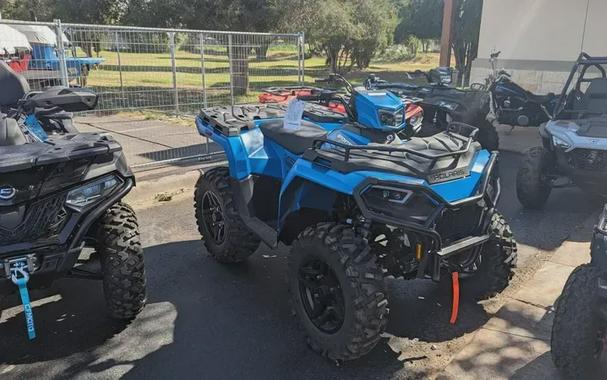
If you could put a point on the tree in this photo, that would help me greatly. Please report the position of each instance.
(421, 19)
(466, 31)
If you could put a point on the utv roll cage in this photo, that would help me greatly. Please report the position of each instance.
(585, 61)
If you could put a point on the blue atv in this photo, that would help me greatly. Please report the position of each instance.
(353, 214)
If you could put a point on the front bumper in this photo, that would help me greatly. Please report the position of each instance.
(476, 227)
(582, 173)
(58, 256)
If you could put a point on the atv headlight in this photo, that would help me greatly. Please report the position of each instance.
(557, 141)
(91, 192)
(391, 119)
(397, 203)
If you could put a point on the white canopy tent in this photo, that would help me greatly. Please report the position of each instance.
(12, 40)
(38, 34)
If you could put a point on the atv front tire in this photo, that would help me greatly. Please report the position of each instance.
(338, 291)
(532, 185)
(496, 263)
(225, 235)
(122, 265)
(577, 331)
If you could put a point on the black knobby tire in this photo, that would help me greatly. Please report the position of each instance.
(532, 186)
(361, 288)
(121, 254)
(238, 242)
(487, 135)
(577, 327)
(498, 258)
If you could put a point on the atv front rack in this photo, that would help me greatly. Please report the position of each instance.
(396, 158)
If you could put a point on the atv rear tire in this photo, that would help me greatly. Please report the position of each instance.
(122, 265)
(487, 135)
(577, 328)
(338, 291)
(225, 235)
(497, 260)
(532, 186)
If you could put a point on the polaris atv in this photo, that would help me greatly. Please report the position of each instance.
(60, 193)
(574, 149)
(579, 331)
(443, 104)
(354, 214)
(414, 114)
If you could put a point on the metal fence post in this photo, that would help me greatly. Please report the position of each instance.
(117, 42)
(302, 58)
(231, 70)
(174, 70)
(65, 81)
(203, 71)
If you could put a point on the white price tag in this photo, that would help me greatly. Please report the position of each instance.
(294, 114)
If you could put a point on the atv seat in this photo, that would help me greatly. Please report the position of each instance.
(10, 133)
(13, 86)
(294, 140)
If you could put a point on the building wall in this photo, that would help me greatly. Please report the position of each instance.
(539, 39)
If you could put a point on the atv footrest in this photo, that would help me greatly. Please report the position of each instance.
(462, 245)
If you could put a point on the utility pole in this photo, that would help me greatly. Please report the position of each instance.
(447, 33)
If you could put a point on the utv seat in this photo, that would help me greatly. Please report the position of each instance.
(596, 96)
(10, 133)
(13, 86)
(294, 140)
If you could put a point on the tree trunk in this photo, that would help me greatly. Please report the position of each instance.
(240, 70)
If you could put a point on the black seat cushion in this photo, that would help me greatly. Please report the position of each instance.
(10, 133)
(540, 99)
(13, 86)
(596, 96)
(294, 140)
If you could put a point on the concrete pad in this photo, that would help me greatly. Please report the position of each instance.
(494, 355)
(546, 286)
(521, 319)
(519, 139)
(572, 254)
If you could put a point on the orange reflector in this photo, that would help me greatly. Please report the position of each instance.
(418, 251)
(455, 307)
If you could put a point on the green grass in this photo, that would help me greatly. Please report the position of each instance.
(153, 70)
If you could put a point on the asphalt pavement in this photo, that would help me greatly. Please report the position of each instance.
(210, 321)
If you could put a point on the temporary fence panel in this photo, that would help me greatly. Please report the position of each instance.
(170, 70)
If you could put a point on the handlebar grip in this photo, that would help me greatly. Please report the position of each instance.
(308, 98)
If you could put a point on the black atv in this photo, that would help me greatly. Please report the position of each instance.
(443, 104)
(61, 192)
(579, 332)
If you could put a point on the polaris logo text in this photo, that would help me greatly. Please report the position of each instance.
(7, 193)
(445, 176)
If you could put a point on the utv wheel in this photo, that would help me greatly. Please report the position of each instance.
(497, 260)
(338, 291)
(577, 332)
(532, 185)
(487, 135)
(225, 235)
(122, 264)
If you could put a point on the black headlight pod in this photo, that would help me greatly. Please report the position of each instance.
(398, 203)
(392, 119)
(92, 192)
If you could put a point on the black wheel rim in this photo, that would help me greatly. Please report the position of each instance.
(213, 217)
(321, 295)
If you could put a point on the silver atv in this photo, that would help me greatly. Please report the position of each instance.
(574, 140)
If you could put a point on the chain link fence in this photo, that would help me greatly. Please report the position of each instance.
(169, 70)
